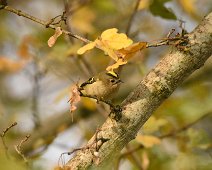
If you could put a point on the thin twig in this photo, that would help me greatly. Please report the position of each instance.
(115, 108)
(135, 158)
(8, 128)
(173, 133)
(132, 17)
(49, 24)
(74, 10)
(131, 151)
(95, 145)
(18, 148)
(3, 135)
(3, 2)
(39, 21)
(179, 40)
(36, 93)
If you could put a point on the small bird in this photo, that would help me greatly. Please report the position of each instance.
(104, 85)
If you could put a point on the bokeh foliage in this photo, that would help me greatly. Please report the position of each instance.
(35, 82)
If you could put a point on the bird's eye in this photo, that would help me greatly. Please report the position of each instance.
(112, 80)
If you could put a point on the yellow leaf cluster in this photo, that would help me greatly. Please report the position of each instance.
(116, 45)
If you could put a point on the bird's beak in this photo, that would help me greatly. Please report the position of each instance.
(120, 81)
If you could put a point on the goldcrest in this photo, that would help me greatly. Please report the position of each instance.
(104, 85)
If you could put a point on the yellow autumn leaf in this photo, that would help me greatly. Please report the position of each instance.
(124, 54)
(86, 47)
(105, 47)
(129, 51)
(110, 41)
(144, 4)
(116, 45)
(89, 104)
(153, 124)
(115, 40)
(148, 141)
(190, 8)
(116, 65)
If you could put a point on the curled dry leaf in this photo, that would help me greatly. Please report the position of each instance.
(74, 99)
(129, 51)
(125, 54)
(54, 37)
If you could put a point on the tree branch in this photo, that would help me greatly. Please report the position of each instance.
(47, 24)
(155, 87)
(132, 17)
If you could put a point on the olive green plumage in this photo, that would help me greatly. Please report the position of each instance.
(104, 85)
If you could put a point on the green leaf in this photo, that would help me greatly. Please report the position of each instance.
(157, 8)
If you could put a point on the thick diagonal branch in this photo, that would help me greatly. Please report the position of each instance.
(155, 87)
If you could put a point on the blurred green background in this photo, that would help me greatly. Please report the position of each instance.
(35, 83)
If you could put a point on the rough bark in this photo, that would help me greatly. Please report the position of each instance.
(155, 87)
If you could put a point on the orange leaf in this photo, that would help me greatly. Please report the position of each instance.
(54, 37)
(23, 50)
(8, 65)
